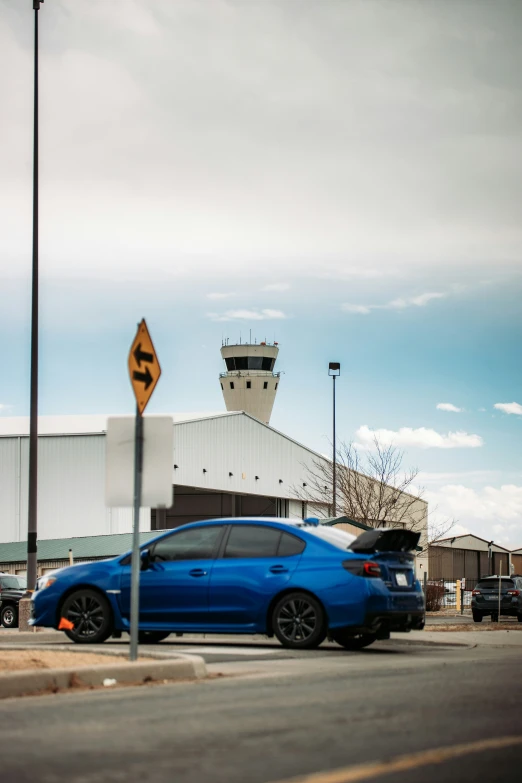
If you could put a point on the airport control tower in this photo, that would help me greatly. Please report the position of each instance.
(250, 383)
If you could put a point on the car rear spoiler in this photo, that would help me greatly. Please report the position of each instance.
(385, 540)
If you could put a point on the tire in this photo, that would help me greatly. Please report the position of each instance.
(9, 616)
(477, 617)
(351, 642)
(91, 614)
(519, 618)
(299, 621)
(152, 637)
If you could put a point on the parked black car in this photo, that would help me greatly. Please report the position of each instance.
(485, 598)
(12, 588)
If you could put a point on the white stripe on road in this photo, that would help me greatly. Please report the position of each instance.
(230, 650)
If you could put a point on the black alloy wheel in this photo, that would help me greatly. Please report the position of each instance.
(299, 621)
(477, 617)
(352, 641)
(9, 617)
(152, 637)
(91, 614)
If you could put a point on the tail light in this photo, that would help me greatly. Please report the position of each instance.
(363, 568)
(513, 592)
(475, 592)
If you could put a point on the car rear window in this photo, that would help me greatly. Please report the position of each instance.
(338, 538)
(492, 584)
(9, 583)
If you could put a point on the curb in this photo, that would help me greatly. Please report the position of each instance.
(24, 683)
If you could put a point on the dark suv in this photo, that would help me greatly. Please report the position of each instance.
(12, 588)
(485, 598)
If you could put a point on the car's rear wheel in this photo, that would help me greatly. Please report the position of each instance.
(351, 642)
(9, 617)
(477, 617)
(91, 616)
(299, 621)
(152, 637)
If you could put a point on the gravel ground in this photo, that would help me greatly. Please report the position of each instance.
(20, 660)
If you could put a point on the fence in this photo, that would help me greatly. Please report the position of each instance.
(442, 594)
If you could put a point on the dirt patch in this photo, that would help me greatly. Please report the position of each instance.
(23, 660)
(475, 627)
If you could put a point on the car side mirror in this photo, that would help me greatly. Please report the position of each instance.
(146, 559)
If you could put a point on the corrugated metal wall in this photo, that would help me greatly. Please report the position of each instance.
(451, 563)
(71, 489)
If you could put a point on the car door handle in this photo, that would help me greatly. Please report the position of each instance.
(197, 572)
(278, 569)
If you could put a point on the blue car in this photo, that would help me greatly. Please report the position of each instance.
(297, 580)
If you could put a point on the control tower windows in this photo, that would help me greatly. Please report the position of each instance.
(231, 384)
(265, 385)
(235, 363)
(249, 384)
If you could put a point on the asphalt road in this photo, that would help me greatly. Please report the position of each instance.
(276, 715)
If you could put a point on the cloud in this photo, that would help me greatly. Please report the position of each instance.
(447, 406)
(4, 407)
(276, 287)
(220, 295)
(490, 512)
(248, 315)
(396, 304)
(431, 127)
(359, 309)
(509, 407)
(421, 438)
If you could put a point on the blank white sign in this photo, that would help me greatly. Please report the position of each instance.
(158, 453)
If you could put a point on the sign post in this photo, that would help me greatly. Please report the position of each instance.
(144, 372)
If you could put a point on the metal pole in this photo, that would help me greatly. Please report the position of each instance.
(499, 589)
(32, 525)
(334, 487)
(136, 564)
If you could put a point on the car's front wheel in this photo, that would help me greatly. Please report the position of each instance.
(91, 616)
(9, 617)
(351, 642)
(299, 621)
(477, 617)
(152, 637)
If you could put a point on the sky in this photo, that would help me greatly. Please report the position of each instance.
(341, 176)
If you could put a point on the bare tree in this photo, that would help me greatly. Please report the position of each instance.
(372, 488)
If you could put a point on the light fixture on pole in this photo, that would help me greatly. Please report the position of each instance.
(32, 527)
(334, 370)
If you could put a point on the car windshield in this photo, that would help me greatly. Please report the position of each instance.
(338, 538)
(9, 583)
(492, 584)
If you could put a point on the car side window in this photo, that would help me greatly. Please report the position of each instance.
(196, 544)
(252, 541)
(290, 545)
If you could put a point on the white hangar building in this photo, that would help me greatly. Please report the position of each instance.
(224, 464)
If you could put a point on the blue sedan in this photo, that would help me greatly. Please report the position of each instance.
(294, 579)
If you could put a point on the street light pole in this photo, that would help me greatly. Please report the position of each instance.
(33, 421)
(334, 370)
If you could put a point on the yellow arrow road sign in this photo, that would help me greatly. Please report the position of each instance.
(144, 369)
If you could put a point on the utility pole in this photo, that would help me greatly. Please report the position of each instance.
(334, 370)
(32, 527)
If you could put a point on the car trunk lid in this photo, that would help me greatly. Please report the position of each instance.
(392, 550)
